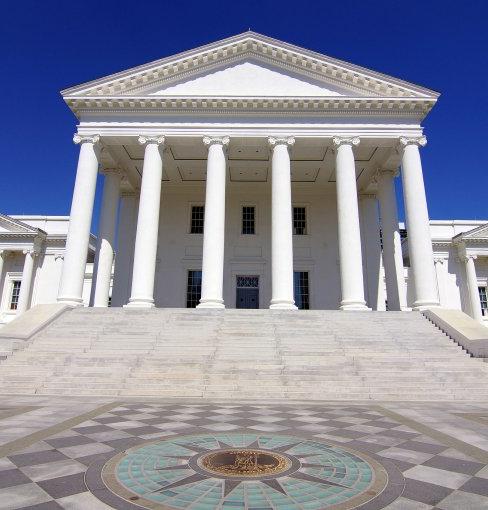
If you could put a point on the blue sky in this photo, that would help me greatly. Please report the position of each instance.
(47, 46)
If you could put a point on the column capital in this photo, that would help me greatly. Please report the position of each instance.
(468, 257)
(216, 140)
(420, 141)
(439, 260)
(147, 139)
(79, 139)
(59, 256)
(345, 140)
(31, 251)
(273, 141)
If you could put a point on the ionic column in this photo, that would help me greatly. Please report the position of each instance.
(2, 260)
(350, 257)
(392, 243)
(473, 293)
(142, 292)
(25, 287)
(281, 225)
(2, 255)
(126, 234)
(214, 225)
(71, 285)
(438, 264)
(370, 233)
(418, 229)
(106, 234)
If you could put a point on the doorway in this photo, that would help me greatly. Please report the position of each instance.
(247, 292)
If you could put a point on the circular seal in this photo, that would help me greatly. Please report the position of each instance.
(242, 470)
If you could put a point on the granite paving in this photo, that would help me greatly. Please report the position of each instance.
(47, 445)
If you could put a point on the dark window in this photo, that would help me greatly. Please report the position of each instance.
(248, 220)
(14, 299)
(301, 289)
(483, 300)
(197, 216)
(299, 221)
(193, 289)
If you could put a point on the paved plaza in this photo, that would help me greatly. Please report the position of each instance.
(80, 453)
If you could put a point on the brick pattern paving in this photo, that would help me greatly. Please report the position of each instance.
(49, 474)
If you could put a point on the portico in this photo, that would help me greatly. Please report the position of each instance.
(253, 165)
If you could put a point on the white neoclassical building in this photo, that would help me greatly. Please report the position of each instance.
(250, 173)
(31, 255)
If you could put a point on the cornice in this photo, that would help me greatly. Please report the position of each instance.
(341, 106)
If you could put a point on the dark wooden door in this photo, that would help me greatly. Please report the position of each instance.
(247, 298)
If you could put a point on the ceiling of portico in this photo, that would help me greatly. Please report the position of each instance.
(249, 160)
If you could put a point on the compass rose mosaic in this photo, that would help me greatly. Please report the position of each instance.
(243, 471)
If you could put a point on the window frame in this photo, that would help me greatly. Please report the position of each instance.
(190, 218)
(187, 281)
(307, 222)
(309, 300)
(11, 305)
(242, 219)
(484, 309)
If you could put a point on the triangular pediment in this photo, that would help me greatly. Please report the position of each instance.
(477, 234)
(252, 78)
(10, 225)
(249, 65)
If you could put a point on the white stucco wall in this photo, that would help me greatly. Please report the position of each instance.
(180, 251)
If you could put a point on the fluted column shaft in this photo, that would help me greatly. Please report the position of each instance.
(472, 284)
(350, 256)
(418, 228)
(142, 293)
(73, 274)
(392, 243)
(214, 225)
(25, 287)
(281, 225)
(106, 235)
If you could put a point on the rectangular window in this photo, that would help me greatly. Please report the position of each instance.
(301, 290)
(193, 289)
(299, 221)
(14, 298)
(197, 216)
(483, 300)
(248, 220)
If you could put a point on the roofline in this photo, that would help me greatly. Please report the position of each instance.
(242, 36)
(37, 217)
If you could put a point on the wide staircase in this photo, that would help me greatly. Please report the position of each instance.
(312, 355)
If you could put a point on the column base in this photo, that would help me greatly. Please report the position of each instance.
(419, 306)
(216, 304)
(70, 301)
(139, 303)
(282, 305)
(354, 305)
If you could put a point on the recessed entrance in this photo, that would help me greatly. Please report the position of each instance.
(247, 291)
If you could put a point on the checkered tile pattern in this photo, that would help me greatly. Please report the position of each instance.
(50, 473)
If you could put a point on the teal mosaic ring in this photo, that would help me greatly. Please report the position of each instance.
(308, 474)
